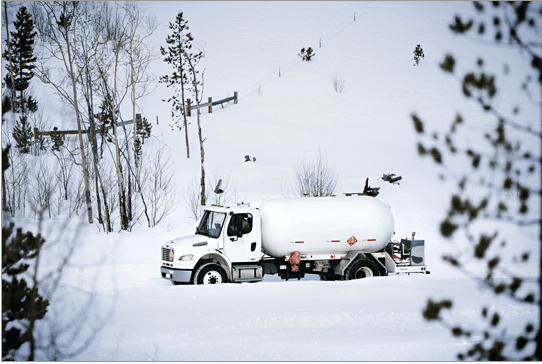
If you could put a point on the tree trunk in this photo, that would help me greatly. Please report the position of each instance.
(4, 192)
(538, 350)
(202, 155)
(107, 213)
(202, 151)
(120, 182)
(81, 143)
(128, 178)
(118, 166)
(10, 63)
(184, 104)
(94, 145)
(186, 132)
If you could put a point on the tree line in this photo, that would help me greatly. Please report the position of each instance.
(95, 58)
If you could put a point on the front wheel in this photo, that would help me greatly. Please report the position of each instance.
(361, 269)
(210, 274)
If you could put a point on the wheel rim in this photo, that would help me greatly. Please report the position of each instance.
(212, 277)
(363, 272)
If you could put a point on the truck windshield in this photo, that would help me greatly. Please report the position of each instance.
(211, 224)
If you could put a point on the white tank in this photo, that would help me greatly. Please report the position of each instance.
(325, 225)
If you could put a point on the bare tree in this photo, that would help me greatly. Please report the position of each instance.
(192, 201)
(315, 178)
(64, 172)
(113, 95)
(57, 24)
(123, 72)
(140, 53)
(197, 88)
(38, 120)
(15, 179)
(159, 187)
(42, 188)
(108, 183)
(338, 83)
(91, 52)
(191, 195)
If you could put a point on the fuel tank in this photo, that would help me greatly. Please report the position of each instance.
(325, 225)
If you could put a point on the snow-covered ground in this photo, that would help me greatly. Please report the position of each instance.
(113, 282)
(364, 131)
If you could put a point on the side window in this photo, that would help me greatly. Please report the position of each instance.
(240, 221)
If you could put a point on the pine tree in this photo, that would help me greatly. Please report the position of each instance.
(176, 53)
(197, 88)
(418, 53)
(57, 139)
(143, 131)
(104, 121)
(306, 54)
(18, 81)
(21, 46)
(22, 133)
(22, 305)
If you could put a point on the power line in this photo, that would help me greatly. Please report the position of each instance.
(282, 69)
(285, 68)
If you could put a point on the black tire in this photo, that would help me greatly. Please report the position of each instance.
(328, 277)
(175, 283)
(361, 269)
(323, 277)
(211, 274)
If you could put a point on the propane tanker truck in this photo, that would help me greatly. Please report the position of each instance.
(338, 238)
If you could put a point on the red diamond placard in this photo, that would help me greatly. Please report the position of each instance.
(352, 240)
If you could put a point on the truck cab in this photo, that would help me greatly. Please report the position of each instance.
(226, 247)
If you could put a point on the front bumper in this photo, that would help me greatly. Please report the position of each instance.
(177, 275)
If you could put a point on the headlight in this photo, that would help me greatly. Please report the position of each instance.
(186, 257)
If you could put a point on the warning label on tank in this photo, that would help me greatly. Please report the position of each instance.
(352, 240)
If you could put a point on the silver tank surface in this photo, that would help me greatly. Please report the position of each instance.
(325, 225)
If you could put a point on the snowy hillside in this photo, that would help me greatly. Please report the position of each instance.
(365, 131)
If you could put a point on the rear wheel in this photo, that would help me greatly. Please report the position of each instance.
(210, 274)
(361, 269)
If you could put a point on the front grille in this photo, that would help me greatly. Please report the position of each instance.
(166, 254)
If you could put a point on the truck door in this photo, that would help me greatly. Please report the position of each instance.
(241, 243)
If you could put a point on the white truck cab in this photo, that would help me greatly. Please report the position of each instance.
(225, 236)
